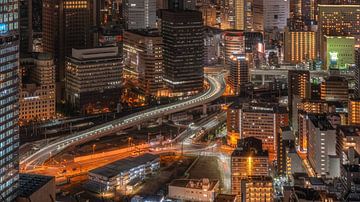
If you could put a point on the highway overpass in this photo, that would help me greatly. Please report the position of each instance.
(215, 90)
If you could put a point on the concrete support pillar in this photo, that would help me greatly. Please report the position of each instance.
(204, 110)
(160, 120)
(263, 79)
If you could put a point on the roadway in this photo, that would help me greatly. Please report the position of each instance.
(215, 90)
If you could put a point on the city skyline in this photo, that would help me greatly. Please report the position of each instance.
(179, 100)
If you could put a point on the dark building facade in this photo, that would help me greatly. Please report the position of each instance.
(9, 99)
(357, 73)
(93, 79)
(298, 88)
(183, 39)
(67, 24)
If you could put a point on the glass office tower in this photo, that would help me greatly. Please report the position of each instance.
(9, 85)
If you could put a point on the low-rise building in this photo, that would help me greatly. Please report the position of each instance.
(124, 173)
(194, 189)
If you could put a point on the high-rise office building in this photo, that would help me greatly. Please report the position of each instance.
(139, 14)
(354, 111)
(248, 159)
(239, 72)
(263, 121)
(209, 15)
(254, 42)
(339, 20)
(276, 13)
(9, 85)
(234, 41)
(183, 51)
(212, 46)
(143, 57)
(37, 97)
(232, 124)
(313, 106)
(334, 88)
(337, 52)
(285, 144)
(298, 89)
(303, 131)
(347, 137)
(181, 4)
(66, 25)
(248, 15)
(30, 24)
(357, 73)
(321, 144)
(299, 46)
(93, 79)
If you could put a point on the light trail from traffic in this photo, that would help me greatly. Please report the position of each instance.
(215, 90)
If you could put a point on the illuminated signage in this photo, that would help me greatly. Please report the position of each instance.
(333, 57)
(3, 28)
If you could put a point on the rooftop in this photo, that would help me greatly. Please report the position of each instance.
(306, 193)
(195, 183)
(249, 146)
(320, 121)
(349, 130)
(30, 183)
(123, 165)
(225, 198)
(352, 168)
(316, 181)
(146, 32)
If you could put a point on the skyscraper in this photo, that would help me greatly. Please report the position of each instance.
(263, 121)
(337, 52)
(144, 58)
(300, 46)
(239, 72)
(93, 79)
(234, 41)
(139, 14)
(357, 73)
(66, 25)
(334, 88)
(320, 133)
(339, 20)
(183, 39)
(249, 15)
(9, 92)
(298, 88)
(276, 13)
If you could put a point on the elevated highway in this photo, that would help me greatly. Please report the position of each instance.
(215, 90)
